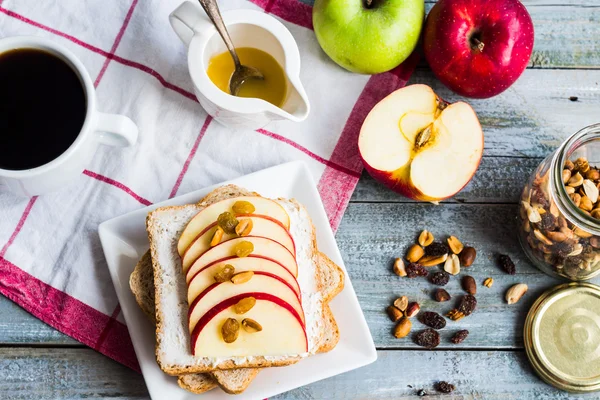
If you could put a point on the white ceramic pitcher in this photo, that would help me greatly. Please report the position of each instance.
(247, 28)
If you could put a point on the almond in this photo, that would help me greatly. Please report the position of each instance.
(469, 285)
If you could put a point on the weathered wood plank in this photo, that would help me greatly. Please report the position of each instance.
(31, 374)
(372, 235)
(498, 180)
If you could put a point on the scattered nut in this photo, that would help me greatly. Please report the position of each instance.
(414, 253)
(425, 238)
(467, 256)
(412, 309)
(251, 326)
(224, 273)
(586, 203)
(455, 245)
(452, 264)
(469, 285)
(242, 277)
(455, 315)
(230, 330)
(441, 295)
(401, 303)
(244, 227)
(515, 293)
(217, 236)
(244, 305)
(590, 189)
(534, 215)
(399, 268)
(402, 329)
(575, 180)
(566, 175)
(430, 261)
(394, 313)
(488, 282)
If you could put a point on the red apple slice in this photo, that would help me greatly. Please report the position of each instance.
(205, 277)
(420, 146)
(263, 247)
(261, 226)
(261, 282)
(208, 215)
(282, 330)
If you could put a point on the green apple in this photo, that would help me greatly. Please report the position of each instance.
(368, 36)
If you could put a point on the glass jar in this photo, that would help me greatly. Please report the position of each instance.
(559, 213)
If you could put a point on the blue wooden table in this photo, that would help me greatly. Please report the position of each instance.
(522, 126)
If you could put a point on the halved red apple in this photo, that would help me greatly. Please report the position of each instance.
(263, 247)
(205, 277)
(420, 146)
(282, 333)
(261, 282)
(261, 226)
(209, 215)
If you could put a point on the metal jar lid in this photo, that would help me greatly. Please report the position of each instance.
(562, 337)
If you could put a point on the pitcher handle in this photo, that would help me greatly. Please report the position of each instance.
(184, 20)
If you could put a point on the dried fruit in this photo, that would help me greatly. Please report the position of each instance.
(414, 270)
(425, 238)
(432, 319)
(412, 309)
(455, 245)
(430, 261)
(428, 338)
(441, 295)
(402, 328)
(399, 268)
(243, 207)
(251, 326)
(515, 293)
(467, 304)
(244, 305)
(506, 264)
(230, 330)
(394, 313)
(452, 264)
(459, 336)
(228, 222)
(243, 248)
(224, 273)
(488, 282)
(455, 315)
(467, 256)
(469, 285)
(439, 278)
(401, 303)
(217, 236)
(414, 253)
(437, 249)
(242, 277)
(444, 387)
(244, 227)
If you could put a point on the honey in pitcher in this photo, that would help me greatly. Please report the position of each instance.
(272, 88)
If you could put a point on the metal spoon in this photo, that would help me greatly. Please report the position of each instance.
(242, 72)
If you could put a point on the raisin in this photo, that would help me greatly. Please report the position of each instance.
(243, 207)
(422, 393)
(548, 221)
(414, 270)
(243, 248)
(562, 251)
(228, 222)
(444, 387)
(439, 278)
(432, 319)
(467, 304)
(506, 264)
(428, 338)
(459, 336)
(437, 249)
(538, 196)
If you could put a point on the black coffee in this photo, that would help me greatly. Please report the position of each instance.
(42, 108)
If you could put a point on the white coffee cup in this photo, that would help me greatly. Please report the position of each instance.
(98, 128)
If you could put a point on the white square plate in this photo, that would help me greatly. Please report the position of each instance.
(124, 241)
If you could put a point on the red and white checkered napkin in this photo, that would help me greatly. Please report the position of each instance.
(51, 262)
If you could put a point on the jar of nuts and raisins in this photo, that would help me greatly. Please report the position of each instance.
(559, 212)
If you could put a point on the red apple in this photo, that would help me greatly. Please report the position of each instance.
(478, 48)
(420, 146)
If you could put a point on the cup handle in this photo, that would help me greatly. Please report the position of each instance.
(116, 130)
(183, 20)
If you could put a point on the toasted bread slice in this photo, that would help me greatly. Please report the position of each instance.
(325, 279)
